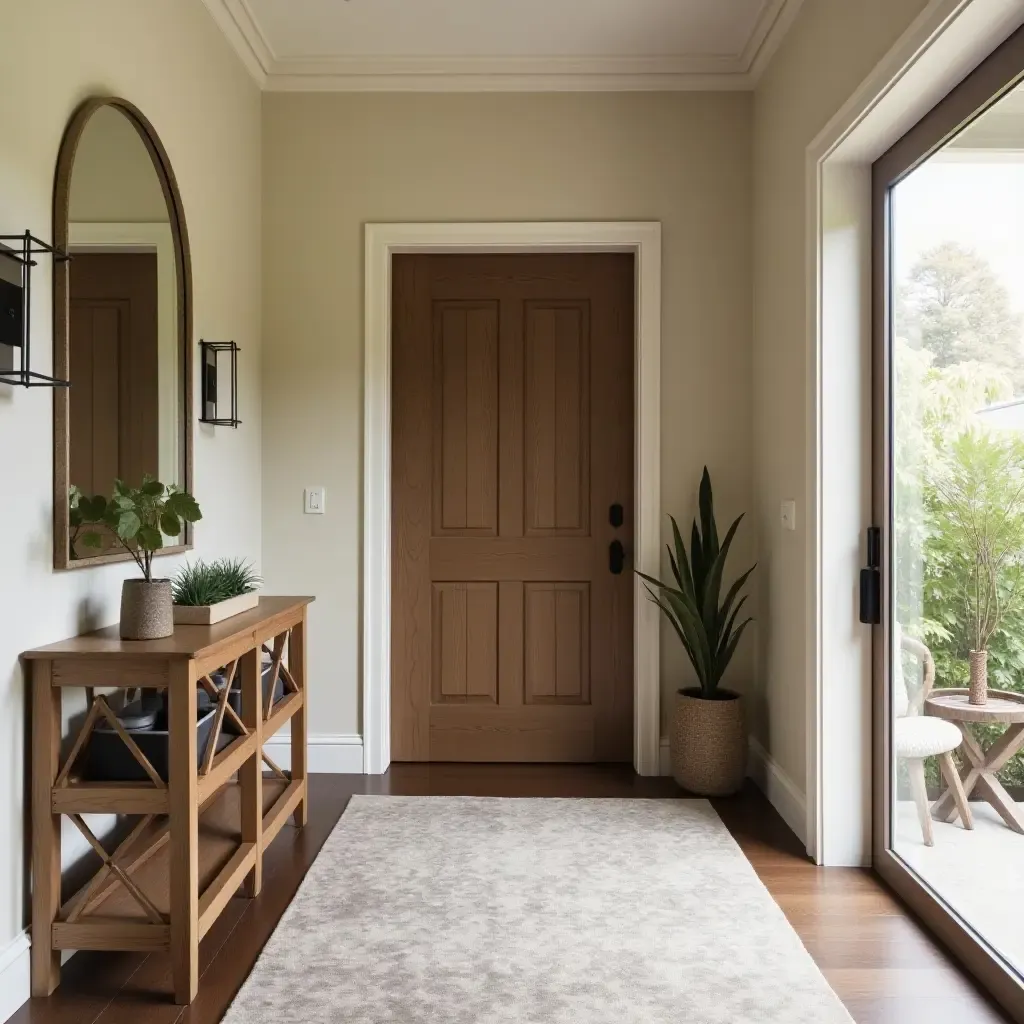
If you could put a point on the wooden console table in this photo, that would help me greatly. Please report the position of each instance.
(200, 834)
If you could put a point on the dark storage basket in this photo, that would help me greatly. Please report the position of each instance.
(108, 758)
(235, 697)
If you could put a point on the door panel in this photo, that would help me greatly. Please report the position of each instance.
(113, 309)
(513, 435)
(557, 418)
(949, 503)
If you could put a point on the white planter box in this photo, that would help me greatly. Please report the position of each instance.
(208, 614)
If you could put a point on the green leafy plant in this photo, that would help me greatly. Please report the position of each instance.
(204, 583)
(138, 517)
(979, 493)
(706, 626)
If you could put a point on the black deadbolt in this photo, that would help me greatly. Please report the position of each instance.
(616, 557)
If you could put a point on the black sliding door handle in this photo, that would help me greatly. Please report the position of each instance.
(616, 557)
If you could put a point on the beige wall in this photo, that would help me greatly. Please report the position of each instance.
(334, 162)
(831, 48)
(168, 57)
(114, 179)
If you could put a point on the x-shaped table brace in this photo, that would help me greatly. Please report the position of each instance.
(979, 771)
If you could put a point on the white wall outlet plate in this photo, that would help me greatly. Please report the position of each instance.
(788, 515)
(314, 501)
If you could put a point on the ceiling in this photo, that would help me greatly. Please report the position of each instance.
(504, 45)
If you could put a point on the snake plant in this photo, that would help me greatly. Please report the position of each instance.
(705, 623)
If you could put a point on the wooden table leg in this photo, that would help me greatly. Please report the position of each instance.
(46, 732)
(184, 840)
(991, 788)
(979, 771)
(250, 775)
(297, 666)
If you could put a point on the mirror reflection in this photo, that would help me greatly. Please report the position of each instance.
(126, 418)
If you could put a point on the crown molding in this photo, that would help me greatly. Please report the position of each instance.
(502, 74)
(777, 18)
(235, 20)
(511, 74)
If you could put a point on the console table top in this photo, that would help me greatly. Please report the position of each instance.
(184, 642)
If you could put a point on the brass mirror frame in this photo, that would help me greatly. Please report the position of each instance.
(61, 321)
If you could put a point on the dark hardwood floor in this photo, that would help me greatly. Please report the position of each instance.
(882, 964)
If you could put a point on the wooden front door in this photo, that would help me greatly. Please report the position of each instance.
(115, 395)
(512, 462)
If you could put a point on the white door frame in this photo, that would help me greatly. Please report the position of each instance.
(382, 241)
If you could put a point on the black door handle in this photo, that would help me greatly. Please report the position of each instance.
(616, 557)
(871, 580)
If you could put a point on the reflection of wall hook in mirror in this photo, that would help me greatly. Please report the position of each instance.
(16, 263)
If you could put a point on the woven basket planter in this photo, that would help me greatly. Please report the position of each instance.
(709, 743)
(147, 612)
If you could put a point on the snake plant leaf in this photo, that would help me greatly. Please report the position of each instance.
(675, 568)
(697, 566)
(726, 635)
(713, 583)
(707, 518)
(733, 591)
(671, 616)
(693, 628)
(731, 649)
(686, 580)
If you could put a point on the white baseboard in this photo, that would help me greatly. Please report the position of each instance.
(331, 754)
(15, 977)
(16, 973)
(782, 792)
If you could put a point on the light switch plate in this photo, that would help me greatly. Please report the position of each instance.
(314, 501)
(788, 515)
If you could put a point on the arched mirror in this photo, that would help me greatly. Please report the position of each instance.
(122, 320)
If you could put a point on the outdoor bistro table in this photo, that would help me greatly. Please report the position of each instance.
(980, 766)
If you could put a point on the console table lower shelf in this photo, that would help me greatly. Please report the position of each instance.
(192, 839)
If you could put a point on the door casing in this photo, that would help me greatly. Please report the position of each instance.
(382, 241)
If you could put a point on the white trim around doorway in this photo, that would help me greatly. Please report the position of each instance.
(382, 241)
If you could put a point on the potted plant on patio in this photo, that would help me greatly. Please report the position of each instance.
(708, 737)
(979, 498)
(138, 517)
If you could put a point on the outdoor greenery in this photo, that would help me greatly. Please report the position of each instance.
(204, 583)
(959, 478)
(138, 517)
(705, 624)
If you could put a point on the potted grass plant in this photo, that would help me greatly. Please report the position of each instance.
(708, 738)
(138, 518)
(209, 592)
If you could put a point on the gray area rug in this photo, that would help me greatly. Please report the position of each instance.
(463, 910)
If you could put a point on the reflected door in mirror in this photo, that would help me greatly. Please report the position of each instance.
(115, 398)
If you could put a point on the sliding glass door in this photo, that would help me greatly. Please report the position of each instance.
(949, 413)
